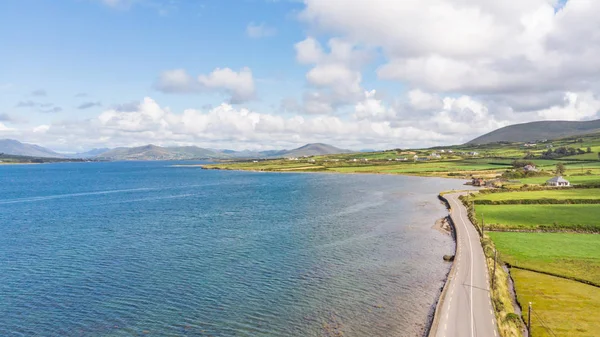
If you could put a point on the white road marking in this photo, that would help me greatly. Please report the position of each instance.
(471, 271)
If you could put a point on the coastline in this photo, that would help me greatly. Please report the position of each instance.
(433, 323)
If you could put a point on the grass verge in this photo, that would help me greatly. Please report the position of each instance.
(509, 322)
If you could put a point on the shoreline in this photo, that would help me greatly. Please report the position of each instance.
(202, 166)
(432, 325)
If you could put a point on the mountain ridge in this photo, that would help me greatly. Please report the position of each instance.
(15, 147)
(536, 131)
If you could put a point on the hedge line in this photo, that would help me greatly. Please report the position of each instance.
(531, 188)
(543, 201)
(553, 228)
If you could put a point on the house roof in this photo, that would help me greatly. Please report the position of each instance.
(558, 179)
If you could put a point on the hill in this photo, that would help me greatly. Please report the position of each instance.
(315, 149)
(535, 131)
(153, 152)
(14, 147)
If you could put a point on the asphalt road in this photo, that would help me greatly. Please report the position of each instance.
(466, 310)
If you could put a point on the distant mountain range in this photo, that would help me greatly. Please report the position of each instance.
(535, 131)
(14, 147)
(153, 152)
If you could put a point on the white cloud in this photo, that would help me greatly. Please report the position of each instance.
(238, 85)
(372, 108)
(176, 81)
(576, 106)
(257, 31)
(4, 127)
(308, 51)
(41, 129)
(473, 47)
(420, 100)
(335, 74)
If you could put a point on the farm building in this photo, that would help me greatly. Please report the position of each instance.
(558, 182)
(478, 182)
(529, 168)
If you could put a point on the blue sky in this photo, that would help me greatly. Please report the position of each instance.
(270, 74)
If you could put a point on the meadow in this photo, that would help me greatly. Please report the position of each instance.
(560, 194)
(570, 255)
(541, 217)
(567, 308)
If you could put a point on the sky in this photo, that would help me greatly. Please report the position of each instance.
(274, 74)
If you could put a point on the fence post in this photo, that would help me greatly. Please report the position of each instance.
(482, 224)
(529, 320)
(494, 273)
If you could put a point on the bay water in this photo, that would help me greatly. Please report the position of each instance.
(151, 249)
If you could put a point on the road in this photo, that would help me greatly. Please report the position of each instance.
(466, 308)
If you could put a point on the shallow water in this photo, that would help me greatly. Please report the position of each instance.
(143, 248)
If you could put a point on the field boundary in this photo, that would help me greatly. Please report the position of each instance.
(541, 201)
(574, 279)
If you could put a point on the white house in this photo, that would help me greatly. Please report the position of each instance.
(558, 182)
(529, 168)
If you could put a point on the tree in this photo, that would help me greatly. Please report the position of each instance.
(560, 169)
(589, 150)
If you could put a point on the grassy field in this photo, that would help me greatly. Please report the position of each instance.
(582, 193)
(567, 307)
(532, 217)
(583, 179)
(565, 254)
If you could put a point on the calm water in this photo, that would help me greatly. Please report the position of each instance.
(145, 249)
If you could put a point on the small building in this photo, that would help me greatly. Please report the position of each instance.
(530, 145)
(529, 168)
(558, 182)
(478, 182)
(401, 159)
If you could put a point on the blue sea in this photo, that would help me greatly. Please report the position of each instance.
(150, 249)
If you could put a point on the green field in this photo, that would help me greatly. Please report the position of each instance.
(561, 194)
(567, 307)
(541, 217)
(583, 179)
(565, 254)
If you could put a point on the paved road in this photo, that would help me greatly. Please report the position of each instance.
(466, 310)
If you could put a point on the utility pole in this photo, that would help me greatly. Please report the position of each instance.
(529, 320)
(494, 272)
(482, 224)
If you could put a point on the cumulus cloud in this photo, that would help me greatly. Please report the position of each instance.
(335, 74)
(87, 105)
(257, 31)
(372, 108)
(518, 56)
(238, 85)
(576, 106)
